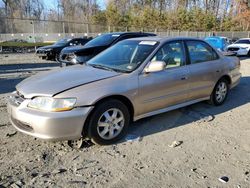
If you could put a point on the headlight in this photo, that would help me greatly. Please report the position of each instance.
(74, 60)
(244, 47)
(48, 50)
(52, 104)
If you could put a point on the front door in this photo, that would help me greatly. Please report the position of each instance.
(158, 90)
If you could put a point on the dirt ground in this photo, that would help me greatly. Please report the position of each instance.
(214, 142)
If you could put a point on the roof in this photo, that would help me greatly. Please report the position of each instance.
(163, 39)
(215, 37)
(123, 33)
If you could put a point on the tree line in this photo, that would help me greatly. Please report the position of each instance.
(183, 15)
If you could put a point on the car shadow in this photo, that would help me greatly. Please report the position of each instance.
(8, 85)
(11, 68)
(243, 57)
(203, 111)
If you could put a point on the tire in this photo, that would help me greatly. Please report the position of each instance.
(111, 116)
(220, 92)
(248, 54)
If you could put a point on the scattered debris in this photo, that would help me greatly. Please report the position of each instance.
(133, 137)
(11, 134)
(77, 182)
(17, 184)
(5, 124)
(80, 143)
(34, 174)
(246, 173)
(204, 177)
(198, 116)
(58, 171)
(224, 179)
(175, 144)
(76, 157)
(193, 169)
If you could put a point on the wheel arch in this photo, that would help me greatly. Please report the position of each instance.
(125, 100)
(227, 78)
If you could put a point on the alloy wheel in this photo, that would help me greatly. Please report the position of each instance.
(110, 124)
(221, 92)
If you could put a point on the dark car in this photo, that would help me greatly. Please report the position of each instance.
(79, 55)
(52, 52)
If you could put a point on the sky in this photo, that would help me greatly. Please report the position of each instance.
(50, 4)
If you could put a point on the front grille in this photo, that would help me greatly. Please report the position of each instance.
(16, 98)
(233, 49)
(40, 51)
(22, 125)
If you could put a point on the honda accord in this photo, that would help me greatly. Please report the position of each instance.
(133, 79)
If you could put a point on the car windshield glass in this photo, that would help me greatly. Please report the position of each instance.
(242, 42)
(125, 56)
(62, 42)
(102, 40)
(214, 42)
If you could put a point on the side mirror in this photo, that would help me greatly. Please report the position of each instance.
(155, 66)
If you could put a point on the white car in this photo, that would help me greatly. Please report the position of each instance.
(241, 47)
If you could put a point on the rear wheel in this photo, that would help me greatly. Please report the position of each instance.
(220, 92)
(109, 122)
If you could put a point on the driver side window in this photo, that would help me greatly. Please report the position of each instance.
(172, 54)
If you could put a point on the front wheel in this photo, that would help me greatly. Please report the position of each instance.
(219, 93)
(109, 122)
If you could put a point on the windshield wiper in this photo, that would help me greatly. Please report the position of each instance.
(108, 68)
(101, 67)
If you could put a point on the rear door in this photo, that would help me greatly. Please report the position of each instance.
(204, 65)
(158, 90)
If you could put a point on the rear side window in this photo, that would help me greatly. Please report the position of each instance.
(200, 52)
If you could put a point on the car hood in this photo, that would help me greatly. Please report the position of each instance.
(239, 45)
(58, 80)
(49, 47)
(72, 49)
(81, 49)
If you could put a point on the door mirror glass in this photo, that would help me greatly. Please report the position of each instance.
(155, 66)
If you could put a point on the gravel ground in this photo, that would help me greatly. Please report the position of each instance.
(189, 147)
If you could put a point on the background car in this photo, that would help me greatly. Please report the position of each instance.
(79, 55)
(241, 47)
(220, 43)
(133, 79)
(52, 52)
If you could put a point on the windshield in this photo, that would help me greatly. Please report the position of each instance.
(125, 56)
(243, 41)
(102, 40)
(214, 42)
(62, 42)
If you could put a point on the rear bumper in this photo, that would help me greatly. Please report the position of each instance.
(235, 80)
(51, 126)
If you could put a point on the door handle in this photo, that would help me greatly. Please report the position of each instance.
(217, 71)
(184, 78)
